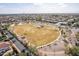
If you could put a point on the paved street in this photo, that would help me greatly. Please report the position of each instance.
(15, 41)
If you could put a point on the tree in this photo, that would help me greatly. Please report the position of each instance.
(77, 36)
(74, 51)
(33, 50)
(39, 18)
(3, 37)
(5, 26)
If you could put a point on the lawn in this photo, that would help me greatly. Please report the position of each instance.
(37, 36)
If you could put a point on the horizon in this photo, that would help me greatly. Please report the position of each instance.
(39, 13)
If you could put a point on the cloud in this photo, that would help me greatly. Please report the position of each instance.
(38, 4)
(50, 4)
(38, 8)
(49, 7)
(62, 4)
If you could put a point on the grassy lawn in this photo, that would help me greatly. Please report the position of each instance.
(37, 35)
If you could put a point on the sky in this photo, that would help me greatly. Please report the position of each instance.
(12, 8)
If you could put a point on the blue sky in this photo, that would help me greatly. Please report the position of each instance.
(39, 8)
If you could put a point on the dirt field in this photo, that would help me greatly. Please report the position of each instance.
(37, 35)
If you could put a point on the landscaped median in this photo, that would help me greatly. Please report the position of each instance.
(37, 36)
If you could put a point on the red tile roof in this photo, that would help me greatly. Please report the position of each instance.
(2, 45)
